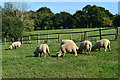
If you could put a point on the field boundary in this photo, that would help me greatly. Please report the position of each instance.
(117, 33)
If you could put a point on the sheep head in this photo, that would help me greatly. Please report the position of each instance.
(35, 54)
(10, 47)
(58, 54)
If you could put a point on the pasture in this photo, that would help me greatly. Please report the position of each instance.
(20, 63)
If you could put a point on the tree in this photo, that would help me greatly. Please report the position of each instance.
(95, 14)
(12, 27)
(18, 9)
(63, 20)
(44, 10)
(43, 18)
(8, 6)
(79, 19)
(106, 22)
(28, 22)
(0, 21)
(116, 21)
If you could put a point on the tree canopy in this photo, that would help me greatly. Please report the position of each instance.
(90, 16)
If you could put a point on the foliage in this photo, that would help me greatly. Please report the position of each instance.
(91, 16)
(12, 27)
(44, 10)
(63, 19)
(106, 22)
(116, 21)
(43, 18)
(28, 22)
(79, 19)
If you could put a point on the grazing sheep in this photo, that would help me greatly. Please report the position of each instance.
(105, 43)
(66, 41)
(67, 47)
(86, 45)
(43, 48)
(14, 45)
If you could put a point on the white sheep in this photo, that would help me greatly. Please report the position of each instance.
(86, 46)
(67, 47)
(103, 43)
(43, 48)
(66, 41)
(14, 45)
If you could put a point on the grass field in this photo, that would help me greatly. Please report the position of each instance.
(20, 63)
(75, 36)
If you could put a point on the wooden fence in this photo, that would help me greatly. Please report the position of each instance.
(38, 36)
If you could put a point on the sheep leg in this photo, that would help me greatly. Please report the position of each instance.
(85, 51)
(75, 52)
(44, 54)
(64, 53)
(88, 51)
(81, 51)
(99, 48)
(48, 52)
(40, 54)
(109, 47)
(36, 54)
(15, 47)
(105, 48)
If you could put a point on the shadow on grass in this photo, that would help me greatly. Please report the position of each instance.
(7, 49)
(83, 53)
(53, 56)
(30, 56)
(39, 56)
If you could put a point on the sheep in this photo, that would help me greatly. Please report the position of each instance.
(67, 47)
(66, 41)
(103, 43)
(43, 48)
(86, 45)
(14, 45)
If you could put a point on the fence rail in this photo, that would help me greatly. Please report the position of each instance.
(38, 36)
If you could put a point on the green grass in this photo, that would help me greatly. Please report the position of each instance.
(75, 36)
(19, 63)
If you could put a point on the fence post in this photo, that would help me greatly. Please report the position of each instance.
(100, 32)
(4, 40)
(29, 38)
(21, 40)
(38, 38)
(116, 34)
(70, 35)
(47, 37)
(87, 35)
(59, 38)
(84, 35)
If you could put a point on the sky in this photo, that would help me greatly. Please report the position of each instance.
(72, 7)
(60, 0)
